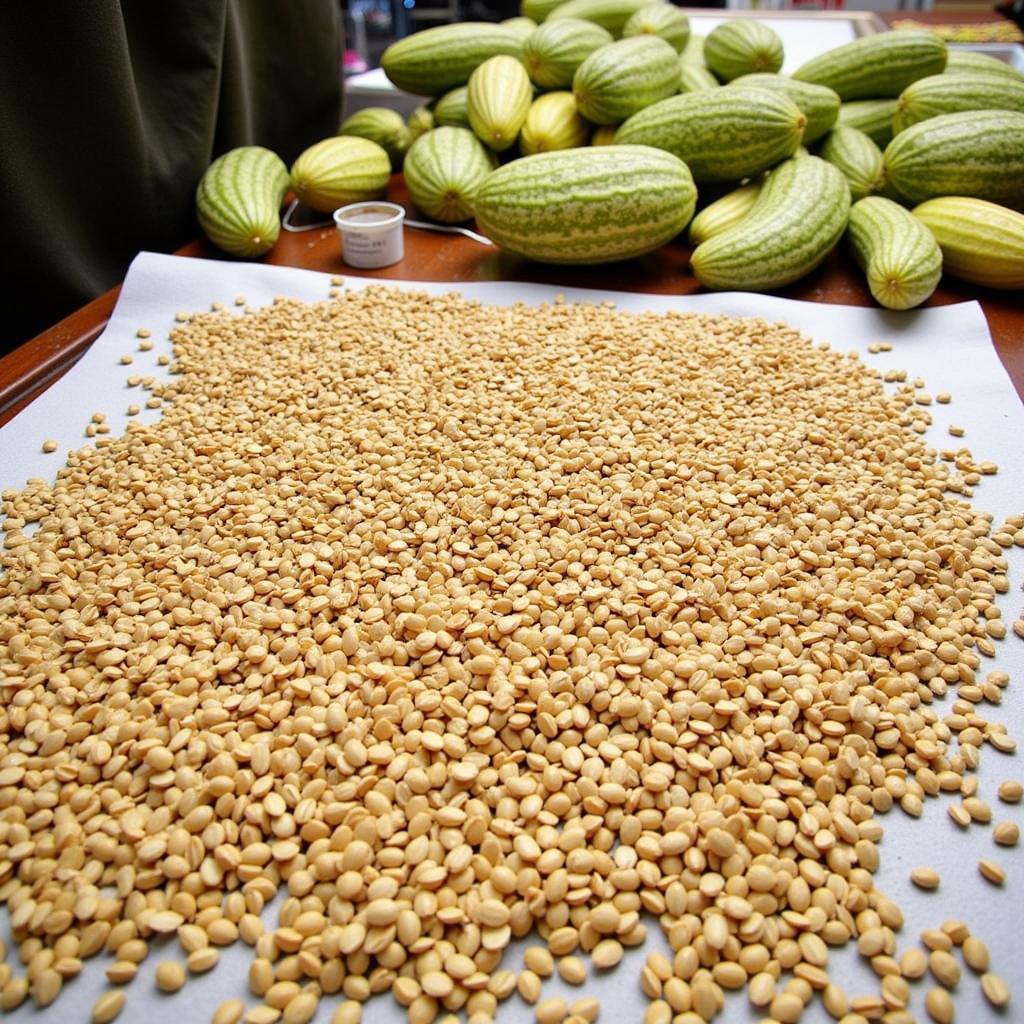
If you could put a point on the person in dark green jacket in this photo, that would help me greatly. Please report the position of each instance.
(111, 111)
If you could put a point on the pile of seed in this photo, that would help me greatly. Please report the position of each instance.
(454, 622)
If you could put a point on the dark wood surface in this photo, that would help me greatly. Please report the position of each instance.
(430, 256)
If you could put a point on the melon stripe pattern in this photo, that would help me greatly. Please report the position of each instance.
(876, 66)
(859, 159)
(742, 47)
(873, 117)
(796, 221)
(898, 254)
(452, 109)
(819, 104)
(538, 10)
(981, 242)
(695, 78)
(950, 93)
(969, 62)
(978, 153)
(345, 169)
(662, 20)
(498, 100)
(723, 135)
(553, 122)
(382, 125)
(444, 170)
(621, 79)
(431, 62)
(609, 14)
(238, 200)
(724, 213)
(591, 205)
(553, 52)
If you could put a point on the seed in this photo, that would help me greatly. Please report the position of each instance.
(572, 970)
(606, 954)
(975, 954)
(230, 1012)
(939, 1005)
(925, 878)
(528, 985)
(49, 447)
(1006, 833)
(957, 931)
(913, 963)
(1010, 792)
(551, 1011)
(46, 987)
(301, 1009)
(201, 960)
(539, 960)
(261, 1015)
(170, 976)
(143, 332)
(978, 809)
(587, 1008)
(956, 431)
(107, 1007)
(944, 967)
(992, 872)
(658, 1012)
(786, 1007)
(995, 989)
(563, 941)
(943, 397)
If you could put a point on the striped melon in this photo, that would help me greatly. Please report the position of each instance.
(618, 80)
(452, 109)
(421, 120)
(859, 159)
(722, 134)
(238, 200)
(798, 218)
(553, 122)
(498, 100)
(695, 78)
(383, 126)
(693, 51)
(592, 205)
(435, 60)
(553, 52)
(725, 213)
(522, 26)
(444, 170)
(603, 135)
(947, 94)
(898, 254)
(976, 153)
(742, 47)
(877, 66)
(972, 63)
(817, 103)
(345, 169)
(538, 10)
(662, 20)
(981, 242)
(873, 117)
(609, 14)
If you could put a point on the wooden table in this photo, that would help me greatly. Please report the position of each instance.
(429, 256)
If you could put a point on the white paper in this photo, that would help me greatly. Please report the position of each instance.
(948, 346)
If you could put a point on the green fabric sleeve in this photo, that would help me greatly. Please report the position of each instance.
(110, 112)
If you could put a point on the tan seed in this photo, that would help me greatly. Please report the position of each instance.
(992, 872)
(944, 967)
(975, 954)
(939, 1005)
(107, 1007)
(925, 878)
(551, 1011)
(606, 954)
(1011, 791)
(572, 970)
(996, 990)
(170, 976)
(229, 1012)
(1006, 833)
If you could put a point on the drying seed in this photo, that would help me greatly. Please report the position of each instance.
(996, 990)
(1006, 833)
(978, 809)
(145, 346)
(606, 954)
(572, 970)
(202, 960)
(925, 878)
(991, 872)
(975, 954)
(230, 1012)
(588, 1009)
(528, 985)
(959, 815)
(551, 1011)
(126, 360)
(143, 332)
(944, 967)
(107, 1007)
(944, 397)
(939, 1005)
(170, 976)
(957, 931)
(49, 447)
(913, 963)
(1011, 791)
(956, 431)
(539, 960)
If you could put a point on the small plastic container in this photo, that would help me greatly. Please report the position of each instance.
(371, 233)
